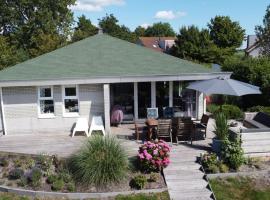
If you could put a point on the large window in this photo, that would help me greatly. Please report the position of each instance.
(45, 101)
(70, 100)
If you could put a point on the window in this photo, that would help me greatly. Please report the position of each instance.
(45, 101)
(70, 101)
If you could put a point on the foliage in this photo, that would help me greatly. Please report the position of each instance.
(84, 29)
(212, 164)
(140, 31)
(16, 173)
(28, 163)
(221, 127)
(65, 175)
(36, 26)
(263, 33)
(138, 182)
(230, 111)
(52, 178)
(265, 109)
(58, 185)
(255, 71)
(4, 162)
(45, 162)
(71, 186)
(23, 181)
(196, 45)
(153, 177)
(239, 188)
(9, 53)
(154, 156)
(35, 177)
(225, 33)
(159, 29)
(232, 153)
(9, 196)
(102, 161)
(110, 25)
(154, 196)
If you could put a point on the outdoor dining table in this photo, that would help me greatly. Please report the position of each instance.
(151, 126)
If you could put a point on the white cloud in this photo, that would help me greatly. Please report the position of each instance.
(95, 5)
(169, 14)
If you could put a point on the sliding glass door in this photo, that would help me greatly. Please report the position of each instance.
(144, 98)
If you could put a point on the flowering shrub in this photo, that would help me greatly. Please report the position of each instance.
(154, 156)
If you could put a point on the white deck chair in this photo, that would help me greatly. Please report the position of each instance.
(81, 126)
(96, 125)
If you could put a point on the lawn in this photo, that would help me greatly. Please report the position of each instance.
(240, 188)
(157, 196)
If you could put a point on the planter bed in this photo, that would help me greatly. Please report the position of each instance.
(27, 163)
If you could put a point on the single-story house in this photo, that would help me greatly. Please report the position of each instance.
(48, 93)
(253, 47)
(161, 44)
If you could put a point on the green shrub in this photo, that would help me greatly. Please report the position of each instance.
(153, 177)
(4, 162)
(210, 162)
(230, 111)
(260, 109)
(138, 182)
(221, 127)
(35, 177)
(232, 154)
(23, 181)
(71, 186)
(102, 161)
(29, 162)
(18, 162)
(64, 174)
(51, 179)
(58, 185)
(45, 162)
(16, 173)
(223, 168)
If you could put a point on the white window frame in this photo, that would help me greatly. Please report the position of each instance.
(45, 115)
(73, 114)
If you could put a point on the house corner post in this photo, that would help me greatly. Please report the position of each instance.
(136, 101)
(199, 104)
(171, 94)
(153, 94)
(106, 89)
(3, 119)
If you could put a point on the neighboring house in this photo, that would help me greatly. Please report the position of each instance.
(161, 44)
(253, 49)
(48, 93)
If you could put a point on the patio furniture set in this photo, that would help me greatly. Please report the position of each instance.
(183, 128)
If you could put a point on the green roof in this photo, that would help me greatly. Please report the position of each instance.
(100, 56)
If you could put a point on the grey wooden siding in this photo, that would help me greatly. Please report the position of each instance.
(21, 110)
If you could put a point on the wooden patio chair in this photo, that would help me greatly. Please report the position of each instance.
(164, 129)
(81, 126)
(201, 126)
(138, 130)
(97, 125)
(182, 128)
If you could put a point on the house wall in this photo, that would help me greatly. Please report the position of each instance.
(21, 109)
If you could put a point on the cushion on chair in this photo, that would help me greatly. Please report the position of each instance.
(262, 118)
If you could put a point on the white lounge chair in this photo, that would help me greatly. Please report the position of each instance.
(96, 125)
(81, 126)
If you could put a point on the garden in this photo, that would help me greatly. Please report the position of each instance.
(100, 166)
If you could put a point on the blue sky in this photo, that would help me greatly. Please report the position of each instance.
(133, 13)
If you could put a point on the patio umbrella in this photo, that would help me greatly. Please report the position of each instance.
(225, 86)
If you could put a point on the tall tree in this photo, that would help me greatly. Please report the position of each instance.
(84, 29)
(196, 45)
(140, 31)
(160, 30)
(23, 21)
(263, 33)
(110, 25)
(226, 33)
(9, 55)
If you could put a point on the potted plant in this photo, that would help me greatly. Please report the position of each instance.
(221, 131)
